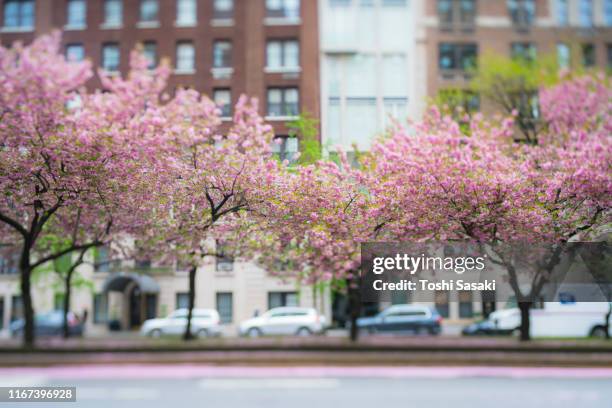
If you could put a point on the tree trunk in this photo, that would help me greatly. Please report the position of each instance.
(354, 306)
(67, 293)
(525, 320)
(192, 275)
(25, 271)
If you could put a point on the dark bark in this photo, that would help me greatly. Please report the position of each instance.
(354, 295)
(67, 295)
(192, 275)
(525, 307)
(25, 270)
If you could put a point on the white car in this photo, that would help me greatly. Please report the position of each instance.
(291, 321)
(204, 323)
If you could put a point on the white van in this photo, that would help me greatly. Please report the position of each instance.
(558, 319)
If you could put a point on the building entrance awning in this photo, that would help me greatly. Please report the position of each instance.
(118, 283)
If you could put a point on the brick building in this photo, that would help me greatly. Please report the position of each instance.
(224, 48)
(456, 32)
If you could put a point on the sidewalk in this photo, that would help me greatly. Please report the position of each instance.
(298, 351)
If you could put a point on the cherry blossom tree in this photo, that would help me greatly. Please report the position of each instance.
(203, 177)
(68, 157)
(438, 183)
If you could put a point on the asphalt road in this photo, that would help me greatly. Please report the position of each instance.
(322, 387)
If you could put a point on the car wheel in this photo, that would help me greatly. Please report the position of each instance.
(516, 332)
(202, 333)
(371, 330)
(254, 332)
(599, 332)
(155, 333)
(304, 331)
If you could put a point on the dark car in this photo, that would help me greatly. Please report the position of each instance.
(417, 319)
(49, 324)
(484, 328)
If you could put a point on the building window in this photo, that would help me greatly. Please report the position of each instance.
(459, 57)
(223, 9)
(562, 12)
(285, 148)
(224, 262)
(9, 259)
(19, 14)
(283, 8)
(149, 10)
(466, 305)
(113, 13)
(608, 12)
(185, 57)
(451, 11)
(222, 54)
(283, 55)
(102, 261)
(186, 12)
(563, 55)
(525, 51)
(181, 300)
(445, 12)
(586, 13)
(111, 56)
(223, 99)
(100, 308)
(75, 52)
(522, 12)
(588, 55)
(225, 307)
(149, 50)
(283, 102)
(441, 301)
(77, 12)
(16, 307)
(282, 299)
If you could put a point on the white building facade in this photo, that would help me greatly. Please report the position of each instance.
(370, 67)
(127, 294)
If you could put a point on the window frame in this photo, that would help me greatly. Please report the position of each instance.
(23, 21)
(226, 109)
(107, 13)
(116, 46)
(283, 44)
(192, 21)
(78, 24)
(226, 56)
(283, 102)
(154, 18)
(224, 319)
(183, 44)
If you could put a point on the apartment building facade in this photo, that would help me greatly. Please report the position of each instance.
(456, 32)
(266, 49)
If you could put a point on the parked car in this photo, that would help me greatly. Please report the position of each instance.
(551, 319)
(417, 319)
(204, 323)
(487, 327)
(49, 324)
(279, 321)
